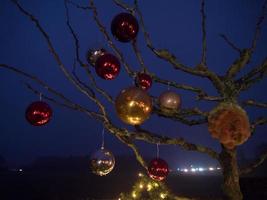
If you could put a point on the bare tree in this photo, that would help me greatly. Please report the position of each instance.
(228, 87)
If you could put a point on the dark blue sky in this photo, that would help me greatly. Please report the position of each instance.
(175, 25)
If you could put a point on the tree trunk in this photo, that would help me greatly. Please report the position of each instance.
(231, 187)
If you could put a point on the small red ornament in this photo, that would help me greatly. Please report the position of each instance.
(107, 66)
(143, 80)
(38, 113)
(158, 169)
(124, 27)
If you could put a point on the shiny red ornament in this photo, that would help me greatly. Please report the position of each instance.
(38, 113)
(124, 27)
(107, 66)
(158, 169)
(143, 80)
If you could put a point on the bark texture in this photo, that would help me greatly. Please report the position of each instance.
(231, 187)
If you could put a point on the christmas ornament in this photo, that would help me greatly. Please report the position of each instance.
(158, 169)
(133, 105)
(143, 80)
(102, 162)
(94, 54)
(107, 66)
(169, 100)
(229, 124)
(124, 27)
(38, 113)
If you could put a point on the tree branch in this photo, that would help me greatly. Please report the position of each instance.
(258, 122)
(252, 102)
(57, 58)
(128, 68)
(181, 115)
(231, 44)
(254, 165)
(153, 138)
(245, 54)
(82, 64)
(258, 26)
(69, 104)
(204, 37)
(169, 57)
(252, 77)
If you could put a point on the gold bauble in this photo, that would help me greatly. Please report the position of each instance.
(133, 105)
(229, 124)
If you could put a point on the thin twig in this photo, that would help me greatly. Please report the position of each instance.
(254, 165)
(252, 102)
(82, 64)
(56, 56)
(231, 44)
(204, 34)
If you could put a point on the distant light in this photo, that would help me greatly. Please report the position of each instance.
(211, 168)
(141, 186)
(178, 169)
(218, 168)
(193, 170)
(20, 170)
(185, 170)
(200, 169)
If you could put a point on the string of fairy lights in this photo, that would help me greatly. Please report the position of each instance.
(149, 189)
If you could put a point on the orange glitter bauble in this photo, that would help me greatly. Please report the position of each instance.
(229, 124)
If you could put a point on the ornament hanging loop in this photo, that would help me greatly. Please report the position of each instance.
(103, 138)
(168, 86)
(157, 150)
(40, 96)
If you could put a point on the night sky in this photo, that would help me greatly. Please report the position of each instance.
(175, 25)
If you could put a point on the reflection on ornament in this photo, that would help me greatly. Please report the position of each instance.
(158, 169)
(143, 80)
(94, 54)
(124, 27)
(169, 100)
(107, 66)
(38, 113)
(229, 124)
(102, 162)
(133, 105)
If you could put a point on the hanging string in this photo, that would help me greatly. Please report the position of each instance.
(103, 138)
(133, 79)
(157, 150)
(40, 96)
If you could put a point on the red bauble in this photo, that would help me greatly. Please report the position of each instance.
(158, 169)
(107, 66)
(143, 80)
(38, 113)
(124, 27)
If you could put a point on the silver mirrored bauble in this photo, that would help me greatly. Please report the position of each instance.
(102, 162)
(169, 100)
(94, 54)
